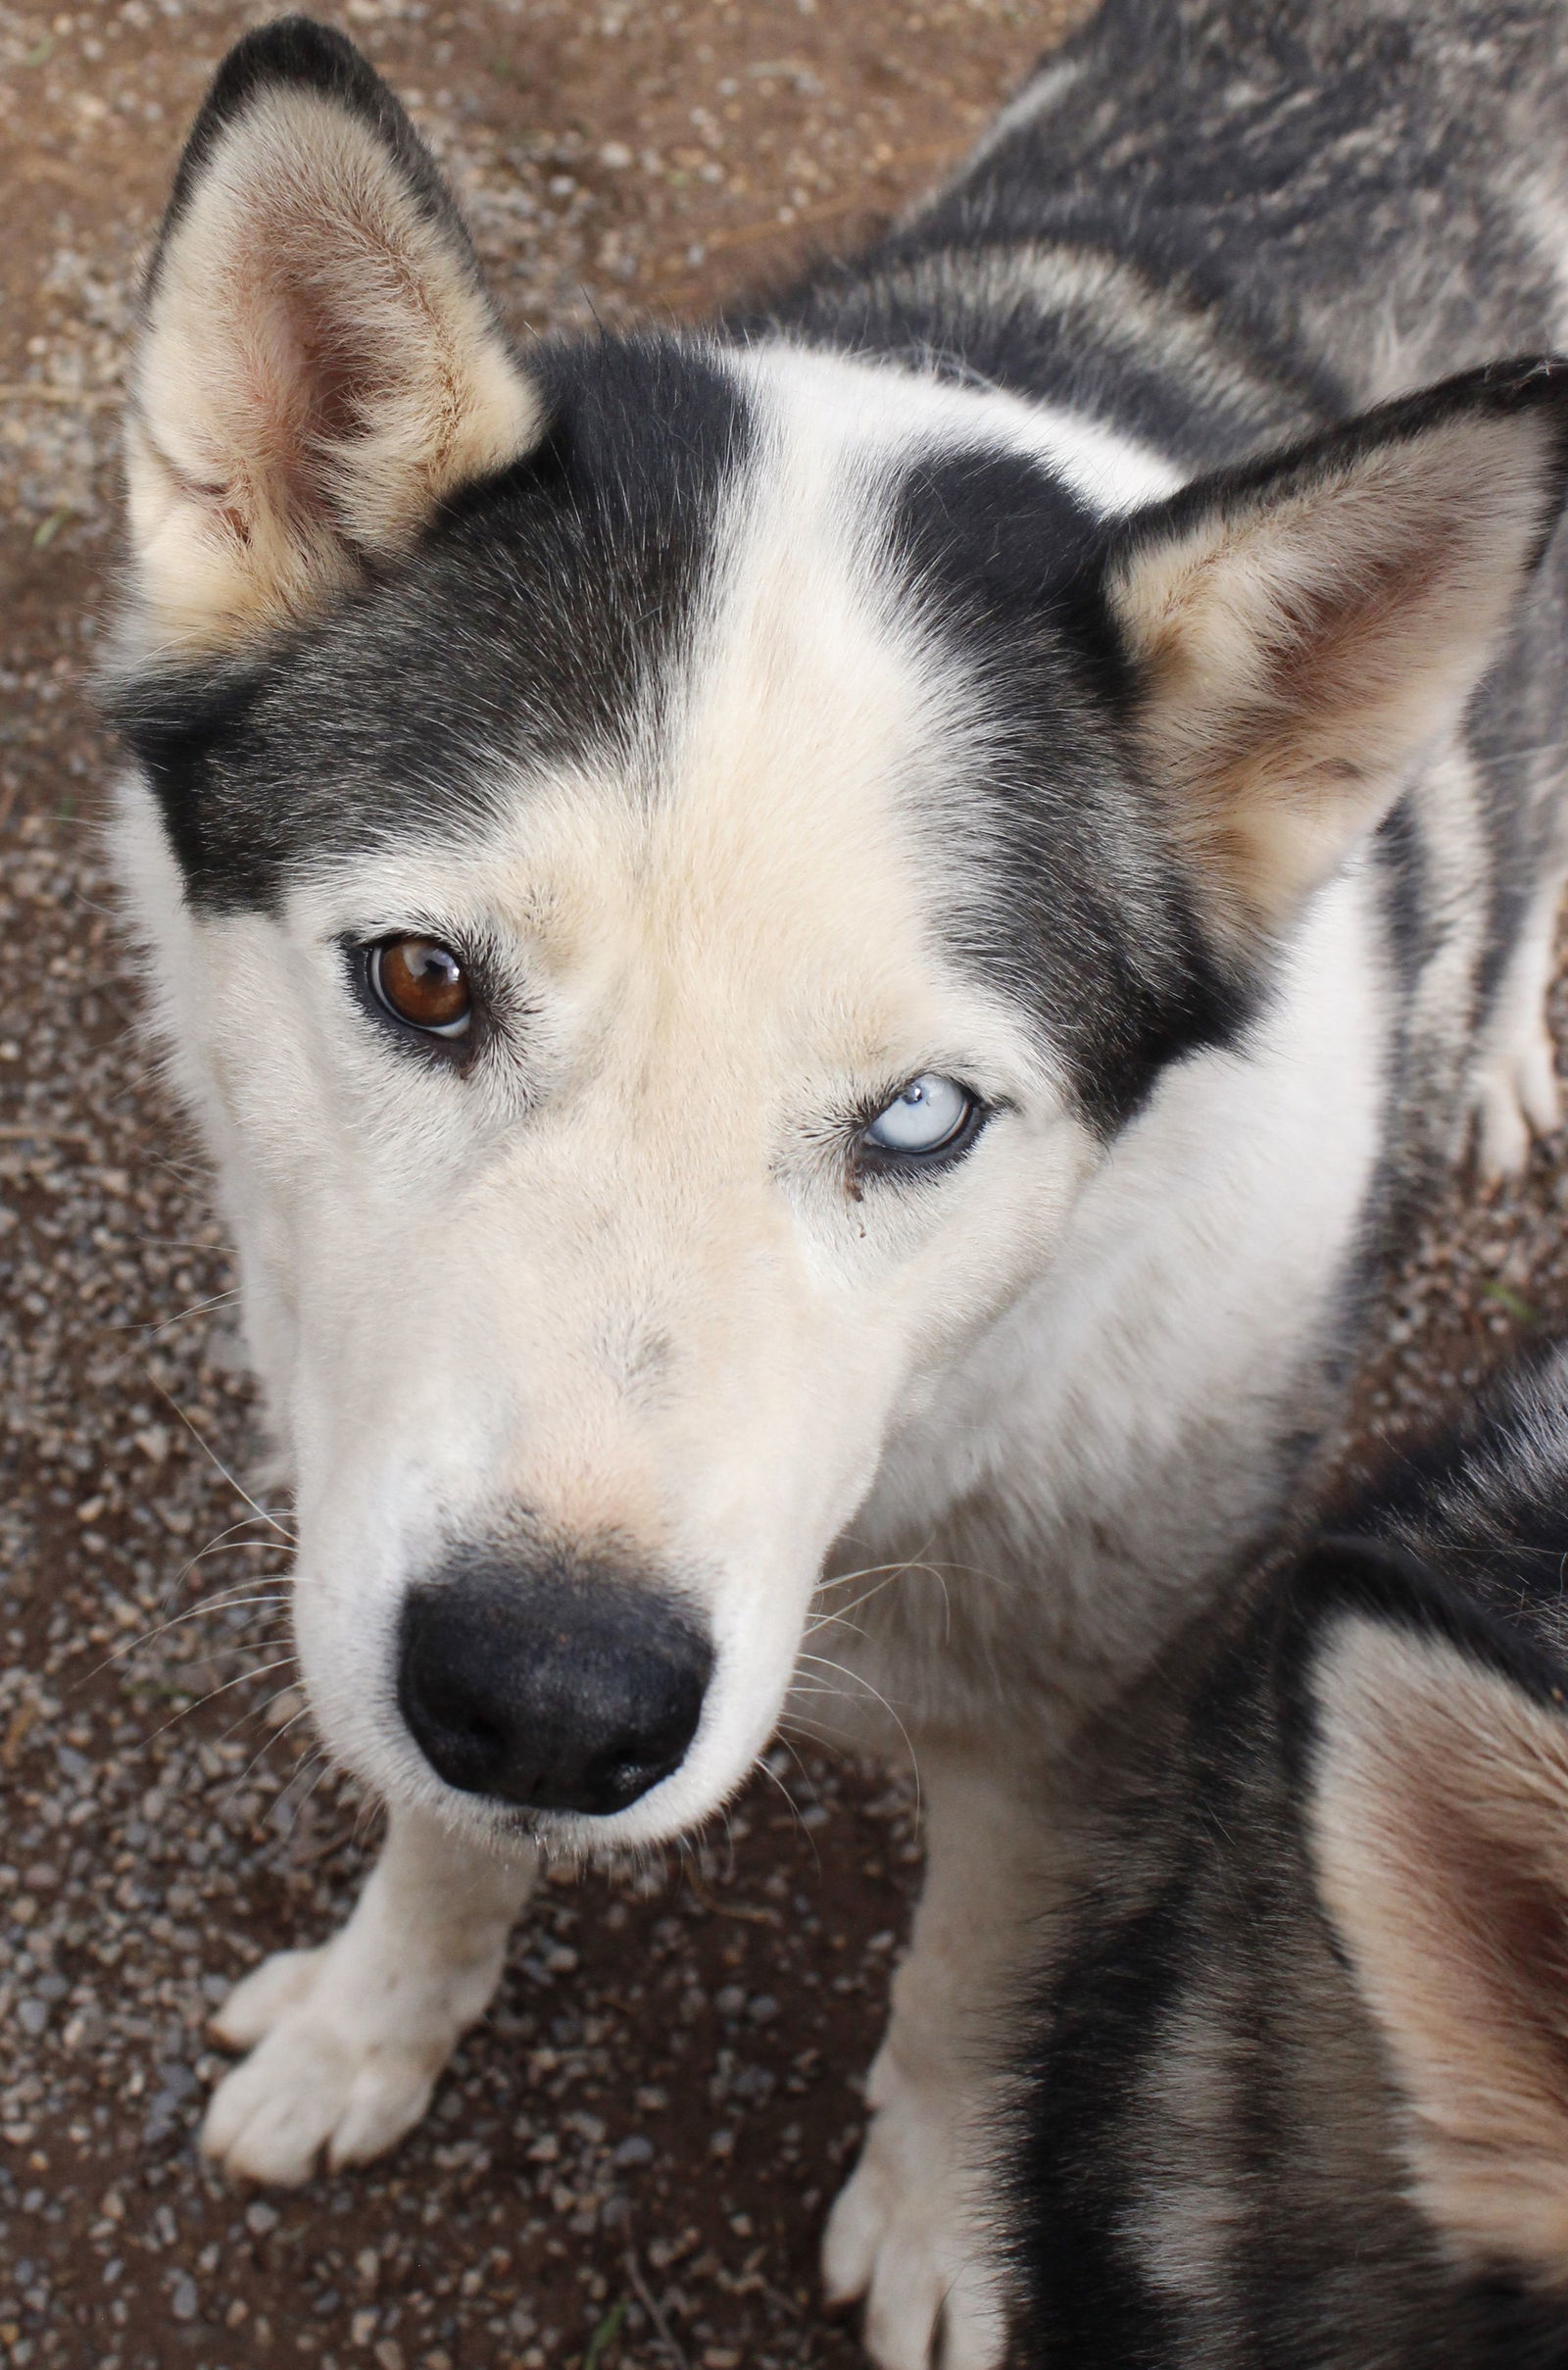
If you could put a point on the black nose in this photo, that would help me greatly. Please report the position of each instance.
(563, 1691)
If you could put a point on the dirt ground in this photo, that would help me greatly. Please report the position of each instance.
(631, 2160)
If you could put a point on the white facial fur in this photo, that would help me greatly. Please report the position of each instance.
(615, 1282)
(615, 1277)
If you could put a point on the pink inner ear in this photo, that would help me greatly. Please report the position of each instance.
(301, 386)
(1441, 1837)
(1301, 644)
(319, 368)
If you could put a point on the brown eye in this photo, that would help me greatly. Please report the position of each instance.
(422, 982)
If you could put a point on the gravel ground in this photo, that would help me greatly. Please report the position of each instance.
(630, 2160)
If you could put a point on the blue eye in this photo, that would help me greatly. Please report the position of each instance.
(930, 1116)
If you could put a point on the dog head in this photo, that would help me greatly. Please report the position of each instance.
(668, 862)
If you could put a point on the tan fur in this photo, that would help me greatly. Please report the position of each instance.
(318, 369)
(1441, 1847)
(1299, 655)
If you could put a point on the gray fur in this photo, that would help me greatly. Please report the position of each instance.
(1059, 1388)
(1210, 2168)
(1223, 225)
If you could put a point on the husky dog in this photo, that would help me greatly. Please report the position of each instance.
(1301, 2098)
(808, 946)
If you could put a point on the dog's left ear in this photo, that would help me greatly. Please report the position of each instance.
(319, 362)
(1439, 1820)
(1300, 629)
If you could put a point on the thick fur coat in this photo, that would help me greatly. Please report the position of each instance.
(1297, 2100)
(816, 953)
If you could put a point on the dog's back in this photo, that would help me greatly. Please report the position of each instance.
(1298, 2099)
(1217, 225)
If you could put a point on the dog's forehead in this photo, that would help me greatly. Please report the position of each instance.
(782, 818)
(776, 835)
(779, 549)
(820, 641)
(755, 920)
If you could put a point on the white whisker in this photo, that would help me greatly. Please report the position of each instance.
(877, 1697)
(149, 1637)
(237, 1486)
(285, 1662)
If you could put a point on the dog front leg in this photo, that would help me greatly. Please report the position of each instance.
(907, 2234)
(347, 2041)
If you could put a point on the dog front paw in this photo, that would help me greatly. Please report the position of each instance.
(342, 2060)
(331, 2072)
(1518, 1099)
(903, 2236)
(346, 2042)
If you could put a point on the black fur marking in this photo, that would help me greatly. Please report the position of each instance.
(1088, 2303)
(1380, 1580)
(532, 626)
(1397, 853)
(1090, 918)
(1087, 918)
(297, 53)
(1489, 1504)
(923, 305)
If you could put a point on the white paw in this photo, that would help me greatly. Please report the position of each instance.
(338, 2067)
(903, 2236)
(1518, 1097)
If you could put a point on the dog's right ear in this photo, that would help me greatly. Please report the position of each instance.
(1439, 1821)
(319, 362)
